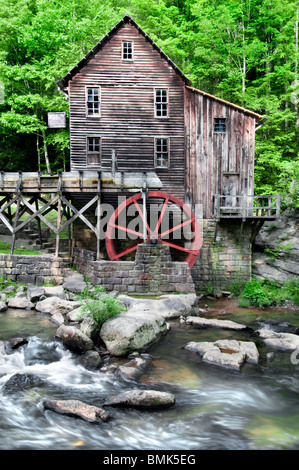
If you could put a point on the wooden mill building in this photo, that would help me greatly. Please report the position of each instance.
(139, 130)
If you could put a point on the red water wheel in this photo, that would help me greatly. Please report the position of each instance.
(161, 218)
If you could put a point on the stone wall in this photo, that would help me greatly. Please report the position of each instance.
(152, 272)
(225, 260)
(31, 269)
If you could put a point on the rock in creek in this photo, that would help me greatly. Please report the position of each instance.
(75, 283)
(34, 292)
(132, 331)
(20, 302)
(3, 307)
(201, 322)
(168, 306)
(19, 382)
(133, 369)
(77, 408)
(55, 304)
(74, 339)
(141, 399)
(283, 341)
(226, 353)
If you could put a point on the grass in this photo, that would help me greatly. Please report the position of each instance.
(266, 293)
(5, 249)
(99, 306)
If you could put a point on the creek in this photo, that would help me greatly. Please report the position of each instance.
(216, 408)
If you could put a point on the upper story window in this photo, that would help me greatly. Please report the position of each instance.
(93, 101)
(161, 102)
(93, 150)
(162, 152)
(127, 52)
(219, 125)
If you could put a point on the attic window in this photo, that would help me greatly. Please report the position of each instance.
(220, 125)
(127, 50)
(93, 101)
(161, 102)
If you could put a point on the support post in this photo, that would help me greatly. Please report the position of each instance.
(98, 231)
(38, 224)
(13, 238)
(58, 227)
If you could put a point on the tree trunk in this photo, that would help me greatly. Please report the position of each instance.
(46, 152)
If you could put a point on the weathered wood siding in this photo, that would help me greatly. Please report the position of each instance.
(217, 161)
(127, 123)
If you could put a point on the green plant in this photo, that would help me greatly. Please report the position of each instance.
(268, 293)
(102, 309)
(279, 250)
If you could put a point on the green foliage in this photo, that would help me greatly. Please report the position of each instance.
(242, 51)
(5, 248)
(267, 293)
(102, 309)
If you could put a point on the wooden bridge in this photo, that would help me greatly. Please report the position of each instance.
(35, 195)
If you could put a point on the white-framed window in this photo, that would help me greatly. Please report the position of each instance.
(220, 125)
(161, 152)
(161, 102)
(127, 50)
(93, 151)
(93, 95)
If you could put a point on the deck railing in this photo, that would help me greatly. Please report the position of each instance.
(246, 206)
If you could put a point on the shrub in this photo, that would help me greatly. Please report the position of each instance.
(102, 309)
(266, 293)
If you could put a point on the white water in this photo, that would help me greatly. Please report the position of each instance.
(214, 407)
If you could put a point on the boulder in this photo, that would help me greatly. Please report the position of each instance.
(55, 304)
(90, 328)
(3, 306)
(201, 322)
(226, 353)
(34, 292)
(141, 399)
(168, 306)
(58, 319)
(132, 331)
(277, 340)
(55, 291)
(19, 382)
(133, 369)
(75, 283)
(76, 408)
(74, 339)
(91, 360)
(20, 302)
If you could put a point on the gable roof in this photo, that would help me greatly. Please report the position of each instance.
(63, 82)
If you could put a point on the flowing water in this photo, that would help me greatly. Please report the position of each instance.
(256, 408)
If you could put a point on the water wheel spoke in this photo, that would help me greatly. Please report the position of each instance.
(177, 227)
(142, 218)
(177, 247)
(126, 251)
(127, 230)
(161, 215)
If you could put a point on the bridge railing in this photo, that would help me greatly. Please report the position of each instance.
(246, 206)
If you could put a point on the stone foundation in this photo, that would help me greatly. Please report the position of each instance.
(153, 272)
(225, 260)
(31, 269)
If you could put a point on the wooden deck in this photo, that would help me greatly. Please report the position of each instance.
(246, 207)
(77, 182)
